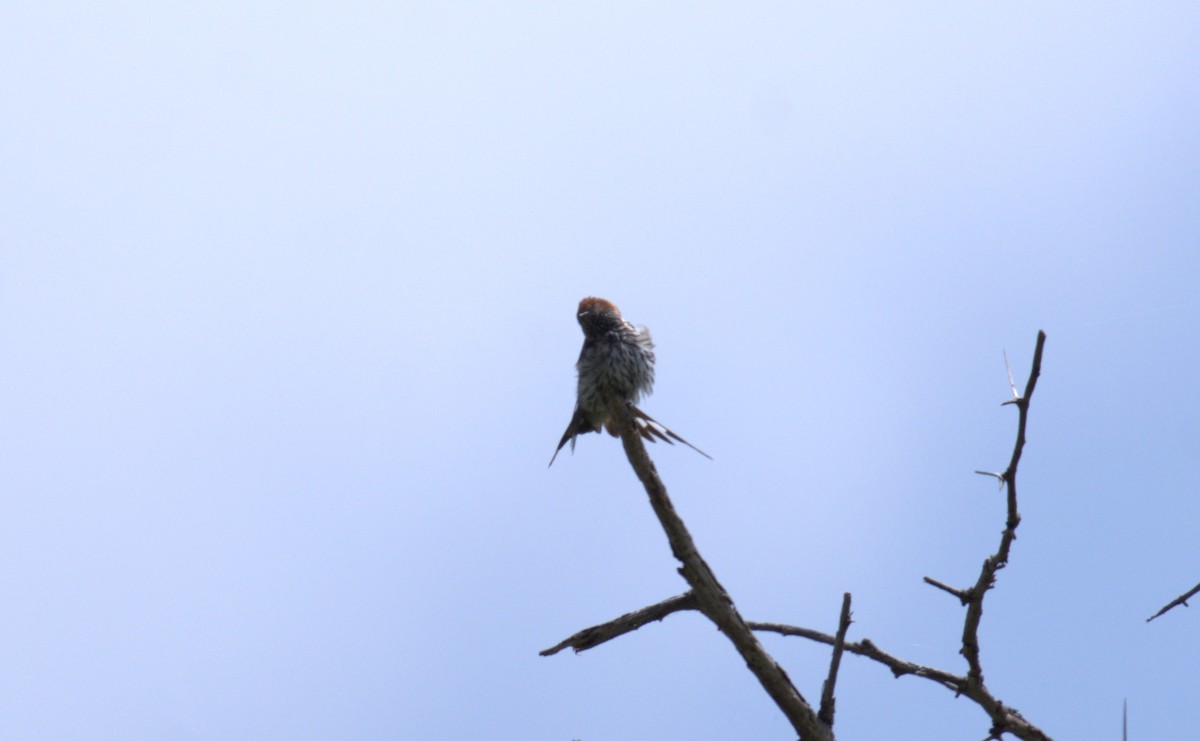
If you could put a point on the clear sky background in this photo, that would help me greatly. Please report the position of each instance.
(287, 331)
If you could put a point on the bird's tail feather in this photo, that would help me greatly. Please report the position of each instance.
(647, 426)
(650, 428)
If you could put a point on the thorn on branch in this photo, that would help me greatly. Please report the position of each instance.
(999, 476)
(1016, 395)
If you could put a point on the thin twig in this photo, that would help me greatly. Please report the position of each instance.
(865, 647)
(1180, 600)
(711, 597)
(839, 643)
(627, 623)
(963, 595)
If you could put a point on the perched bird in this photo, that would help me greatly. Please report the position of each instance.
(617, 361)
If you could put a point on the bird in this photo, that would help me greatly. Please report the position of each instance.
(617, 361)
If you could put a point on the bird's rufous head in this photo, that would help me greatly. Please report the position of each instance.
(594, 305)
(597, 315)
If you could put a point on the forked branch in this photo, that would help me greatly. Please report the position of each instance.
(1004, 719)
(706, 596)
(711, 598)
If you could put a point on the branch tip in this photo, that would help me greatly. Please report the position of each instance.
(1180, 600)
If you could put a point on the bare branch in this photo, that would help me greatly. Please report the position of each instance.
(865, 647)
(711, 597)
(998, 560)
(627, 623)
(1004, 719)
(839, 643)
(963, 595)
(1180, 600)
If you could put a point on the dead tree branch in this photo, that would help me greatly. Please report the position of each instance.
(711, 598)
(839, 643)
(998, 560)
(1013, 721)
(866, 648)
(627, 623)
(707, 594)
(1004, 719)
(1180, 600)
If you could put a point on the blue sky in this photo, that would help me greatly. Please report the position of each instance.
(286, 307)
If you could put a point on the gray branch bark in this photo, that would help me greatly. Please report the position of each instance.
(711, 598)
